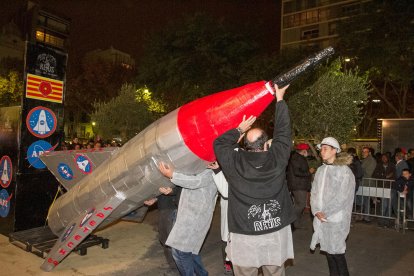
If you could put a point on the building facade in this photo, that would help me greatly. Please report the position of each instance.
(34, 24)
(313, 23)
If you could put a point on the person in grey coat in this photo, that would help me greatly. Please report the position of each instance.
(332, 197)
(195, 212)
(368, 166)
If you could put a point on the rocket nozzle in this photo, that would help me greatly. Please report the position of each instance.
(285, 78)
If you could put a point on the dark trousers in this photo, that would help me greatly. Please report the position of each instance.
(165, 224)
(300, 198)
(337, 265)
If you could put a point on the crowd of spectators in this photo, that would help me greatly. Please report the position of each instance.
(97, 143)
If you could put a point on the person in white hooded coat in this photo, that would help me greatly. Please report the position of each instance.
(332, 196)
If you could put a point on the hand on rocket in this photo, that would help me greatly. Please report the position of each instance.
(166, 170)
(245, 125)
(165, 190)
(279, 93)
(151, 201)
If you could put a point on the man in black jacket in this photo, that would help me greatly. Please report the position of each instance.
(299, 180)
(260, 209)
(405, 185)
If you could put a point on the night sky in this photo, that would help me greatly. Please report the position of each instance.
(124, 23)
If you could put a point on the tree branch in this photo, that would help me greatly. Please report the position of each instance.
(382, 95)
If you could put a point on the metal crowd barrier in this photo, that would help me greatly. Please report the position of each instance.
(375, 198)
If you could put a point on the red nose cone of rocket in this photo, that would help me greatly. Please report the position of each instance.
(200, 122)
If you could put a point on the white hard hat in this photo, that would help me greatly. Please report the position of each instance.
(330, 141)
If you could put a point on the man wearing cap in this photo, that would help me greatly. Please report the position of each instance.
(332, 197)
(299, 180)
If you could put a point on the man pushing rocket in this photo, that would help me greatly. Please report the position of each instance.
(260, 209)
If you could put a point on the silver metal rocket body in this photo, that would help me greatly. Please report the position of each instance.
(106, 185)
(130, 172)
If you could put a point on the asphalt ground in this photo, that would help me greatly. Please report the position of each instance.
(134, 250)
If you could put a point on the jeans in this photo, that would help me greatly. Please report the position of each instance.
(188, 263)
(385, 202)
(364, 202)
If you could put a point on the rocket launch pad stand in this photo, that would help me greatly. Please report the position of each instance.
(40, 241)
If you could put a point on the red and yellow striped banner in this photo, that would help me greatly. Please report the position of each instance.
(44, 89)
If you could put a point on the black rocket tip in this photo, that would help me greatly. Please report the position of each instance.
(307, 64)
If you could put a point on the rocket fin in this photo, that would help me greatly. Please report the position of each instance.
(80, 228)
(67, 170)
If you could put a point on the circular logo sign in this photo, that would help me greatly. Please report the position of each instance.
(4, 203)
(45, 88)
(65, 171)
(35, 150)
(6, 170)
(41, 122)
(83, 163)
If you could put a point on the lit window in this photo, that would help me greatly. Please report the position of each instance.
(40, 36)
(49, 39)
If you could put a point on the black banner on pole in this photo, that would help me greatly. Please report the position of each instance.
(41, 130)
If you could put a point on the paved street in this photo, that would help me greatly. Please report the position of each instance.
(135, 250)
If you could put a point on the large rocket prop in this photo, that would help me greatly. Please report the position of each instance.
(104, 186)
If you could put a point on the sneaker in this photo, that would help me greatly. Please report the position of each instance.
(228, 268)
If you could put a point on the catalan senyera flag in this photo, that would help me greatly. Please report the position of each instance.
(44, 89)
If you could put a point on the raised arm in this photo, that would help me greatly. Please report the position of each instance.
(225, 144)
(282, 136)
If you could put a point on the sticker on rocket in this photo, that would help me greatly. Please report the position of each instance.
(41, 122)
(35, 150)
(65, 171)
(83, 163)
(5, 171)
(4, 203)
(68, 232)
(87, 217)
